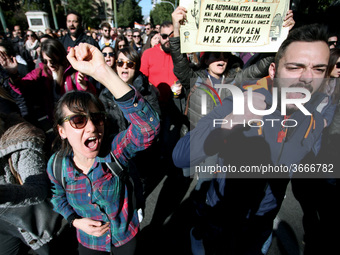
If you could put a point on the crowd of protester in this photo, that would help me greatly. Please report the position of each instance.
(130, 97)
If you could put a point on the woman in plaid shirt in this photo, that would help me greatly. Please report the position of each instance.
(94, 201)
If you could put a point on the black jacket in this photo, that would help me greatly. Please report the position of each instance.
(116, 119)
(82, 38)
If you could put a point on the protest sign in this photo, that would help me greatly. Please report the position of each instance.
(235, 26)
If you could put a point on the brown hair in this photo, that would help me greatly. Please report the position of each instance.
(333, 58)
(54, 49)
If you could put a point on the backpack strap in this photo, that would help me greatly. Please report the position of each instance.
(123, 174)
(57, 168)
(115, 167)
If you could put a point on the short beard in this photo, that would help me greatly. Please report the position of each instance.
(76, 33)
(165, 49)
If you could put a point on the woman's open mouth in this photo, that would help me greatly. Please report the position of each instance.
(92, 143)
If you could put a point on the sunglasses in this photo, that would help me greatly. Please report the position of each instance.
(217, 55)
(129, 63)
(111, 54)
(106, 30)
(51, 62)
(337, 65)
(330, 43)
(165, 36)
(136, 36)
(79, 121)
(29, 35)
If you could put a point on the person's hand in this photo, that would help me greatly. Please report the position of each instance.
(289, 20)
(81, 80)
(258, 103)
(9, 64)
(177, 88)
(87, 59)
(178, 18)
(91, 227)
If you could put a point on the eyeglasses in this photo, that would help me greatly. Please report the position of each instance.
(337, 65)
(129, 63)
(79, 121)
(111, 54)
(330, 43)
(136, 36)
(165, 36)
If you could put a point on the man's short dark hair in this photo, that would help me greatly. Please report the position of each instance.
(307, 33)
(105, 24)
(151, 25)
(80, 19)
(166, 24)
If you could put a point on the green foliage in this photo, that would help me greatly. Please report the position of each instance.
(16, 17)
(161, 12)
(14, 12)
(128, 12)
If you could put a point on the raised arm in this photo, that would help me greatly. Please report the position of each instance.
(289, 20)
(182, 69)
(178, 17)
(87, 59)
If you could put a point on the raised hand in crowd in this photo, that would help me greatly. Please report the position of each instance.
(9, 64)
(289, 20)
(178, 18)
(81, 80)
(89, 60)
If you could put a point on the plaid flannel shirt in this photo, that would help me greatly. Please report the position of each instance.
(98, 195)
